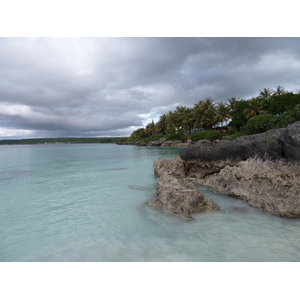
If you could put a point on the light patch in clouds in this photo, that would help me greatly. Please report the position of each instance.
(15, 133)
(274, 66)
(110, 86)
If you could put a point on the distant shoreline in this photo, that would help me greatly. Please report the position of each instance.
(45, 141)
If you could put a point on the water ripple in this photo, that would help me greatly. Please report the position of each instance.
(62, 208)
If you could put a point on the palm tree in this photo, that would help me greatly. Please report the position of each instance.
(197, 116)
(232, 102)
(179, 113)
(162, 124)
(171, 119)
(266, 93)
(184, 117)
(255, 107)
(208, 103)
(208, 112)
(222, 113)
(209, 118)
(202, 112)
(151, 129)
(279, 90)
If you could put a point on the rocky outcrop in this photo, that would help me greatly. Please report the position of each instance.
(154, 143)
(161, 142)
(200, 168)
(181, 200)
(128, 143)
(272, 145)
(192, 168)
(262, 169)
(272, 186)
(291, 141)
(174, 166)
(164, 143)
(175, 144)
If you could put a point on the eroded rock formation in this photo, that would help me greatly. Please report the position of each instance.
(174, 166)
(272, 186)
(192, 168)
(262, 169)
(182, 200)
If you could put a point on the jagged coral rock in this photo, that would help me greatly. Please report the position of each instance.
(173, 166)
(263, 169)
(272, 186)
(182, 200)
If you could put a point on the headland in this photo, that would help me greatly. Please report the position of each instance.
(262, 169)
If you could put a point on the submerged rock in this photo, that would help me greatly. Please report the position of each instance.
(182, 200)
(239, 209)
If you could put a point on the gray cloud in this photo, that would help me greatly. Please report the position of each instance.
(111, 86)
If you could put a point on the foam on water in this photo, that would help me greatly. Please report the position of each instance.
(89, 203)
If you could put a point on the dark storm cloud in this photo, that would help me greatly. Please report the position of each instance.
(109, 86)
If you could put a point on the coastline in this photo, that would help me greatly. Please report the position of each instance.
(159, 143)
(262, 169)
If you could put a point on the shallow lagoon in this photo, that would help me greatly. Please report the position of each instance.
(87, 202)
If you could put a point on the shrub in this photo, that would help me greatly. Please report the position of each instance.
(283, 103)
(261, 123)
(138, 134)
(238, 119)
(289, 117)
(156, 137)
(175, 136)
(231, 131)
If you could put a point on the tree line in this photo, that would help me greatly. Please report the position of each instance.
(271, 109)
(64, 140)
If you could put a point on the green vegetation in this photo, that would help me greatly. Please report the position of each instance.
(261, 123)
(271, 109)
(64, 140)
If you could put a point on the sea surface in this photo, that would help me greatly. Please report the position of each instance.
(88, 202)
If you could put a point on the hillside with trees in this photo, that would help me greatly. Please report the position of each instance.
(271, 109)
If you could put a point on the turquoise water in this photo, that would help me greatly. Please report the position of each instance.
(87, 202)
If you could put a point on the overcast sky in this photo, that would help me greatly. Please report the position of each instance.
(58, 87)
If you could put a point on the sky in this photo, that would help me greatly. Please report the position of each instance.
(58, 87)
